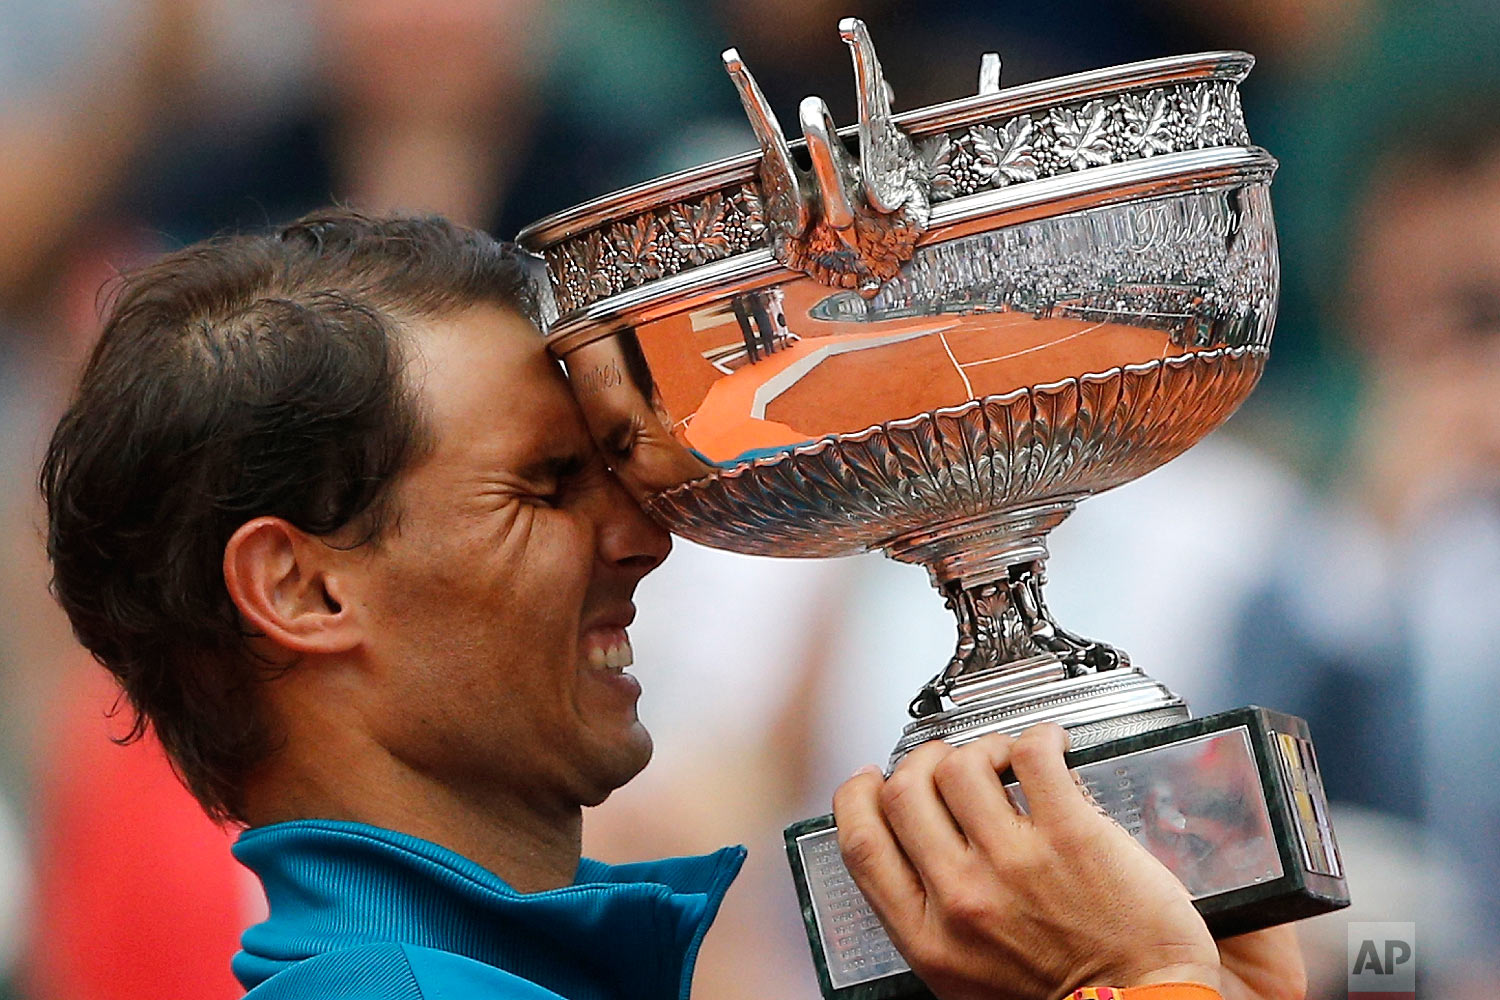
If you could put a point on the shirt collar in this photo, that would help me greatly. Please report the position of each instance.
(619, 931)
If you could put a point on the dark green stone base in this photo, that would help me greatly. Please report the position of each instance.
(1310, 880)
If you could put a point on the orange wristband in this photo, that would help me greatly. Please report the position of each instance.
(1155, 991)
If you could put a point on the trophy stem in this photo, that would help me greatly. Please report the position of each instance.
(1006, 639)
(982, 548)
(1014, 664)
(990, 572)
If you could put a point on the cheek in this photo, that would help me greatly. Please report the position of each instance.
(495, 605)
(559, 548)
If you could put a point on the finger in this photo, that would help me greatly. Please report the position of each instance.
(968, 780)
(1053, 795)
(872, 855)
(921, 822)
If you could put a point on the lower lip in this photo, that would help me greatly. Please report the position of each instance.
(622, 683)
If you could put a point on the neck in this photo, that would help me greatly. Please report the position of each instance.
(530, 847)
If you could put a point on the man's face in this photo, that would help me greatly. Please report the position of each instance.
(496, 608)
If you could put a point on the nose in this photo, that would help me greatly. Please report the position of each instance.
(628, 538)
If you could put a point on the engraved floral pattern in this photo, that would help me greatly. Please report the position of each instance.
(1234, 115)
(745, 221)
(651, 245)
(639, 245)
(1146, 124)
(1081, 135)
(598, 255)
(654, 245)
(1205, 116)
(569, 279)
(1004, 155)
(698, 230)
(935, 159)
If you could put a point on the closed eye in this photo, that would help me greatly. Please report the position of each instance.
(619, 441)
(554, 479)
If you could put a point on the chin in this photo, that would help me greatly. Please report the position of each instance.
(628, 759)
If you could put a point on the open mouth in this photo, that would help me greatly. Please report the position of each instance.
(609, 649)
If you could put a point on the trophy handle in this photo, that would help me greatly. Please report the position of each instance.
(846, 224)
(830, 165)
(885, 153)
(786, 203)
(989, 74)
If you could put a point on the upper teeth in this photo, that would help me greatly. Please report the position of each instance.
(615, 657)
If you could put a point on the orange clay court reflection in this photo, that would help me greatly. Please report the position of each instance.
(777, 368)
(756, 372)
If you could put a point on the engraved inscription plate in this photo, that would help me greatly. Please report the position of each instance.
(1299, 765)
(855, 946)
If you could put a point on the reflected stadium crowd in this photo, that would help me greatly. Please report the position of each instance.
(1158, 264)
(1333, 552)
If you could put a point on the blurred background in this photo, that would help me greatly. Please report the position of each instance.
(1333, 552)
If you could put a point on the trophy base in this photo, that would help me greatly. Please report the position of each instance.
(1094, 708)
(1232, 804)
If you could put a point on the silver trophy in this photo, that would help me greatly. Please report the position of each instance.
(933, 334)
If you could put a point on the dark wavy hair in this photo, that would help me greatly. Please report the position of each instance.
(244, 376)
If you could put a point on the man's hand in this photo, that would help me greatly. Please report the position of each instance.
(985, 901)
(1265, 965)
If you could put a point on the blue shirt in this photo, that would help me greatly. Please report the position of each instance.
(361, 912)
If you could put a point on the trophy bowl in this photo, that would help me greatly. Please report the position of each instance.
(1005, 304)
(934, 343)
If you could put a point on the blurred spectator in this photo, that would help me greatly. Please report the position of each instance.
(137, 894)
(493, 112)
(127, 125)
(1381, 630)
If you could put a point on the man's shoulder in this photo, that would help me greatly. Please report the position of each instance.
(395, 972)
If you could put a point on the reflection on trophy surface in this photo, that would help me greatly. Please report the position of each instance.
(937, 347)
(626, 415)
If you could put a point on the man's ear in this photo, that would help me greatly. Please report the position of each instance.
(288, 586)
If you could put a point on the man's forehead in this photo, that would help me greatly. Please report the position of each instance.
(478, 352)
(487, 372)
(483, 329)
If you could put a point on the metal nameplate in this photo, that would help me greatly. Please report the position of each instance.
(1198, 805)
(855, 945)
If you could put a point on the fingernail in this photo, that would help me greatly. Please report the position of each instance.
(867, 769)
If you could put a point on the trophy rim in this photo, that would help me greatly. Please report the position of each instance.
(1219, 65)
(1136, 180)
